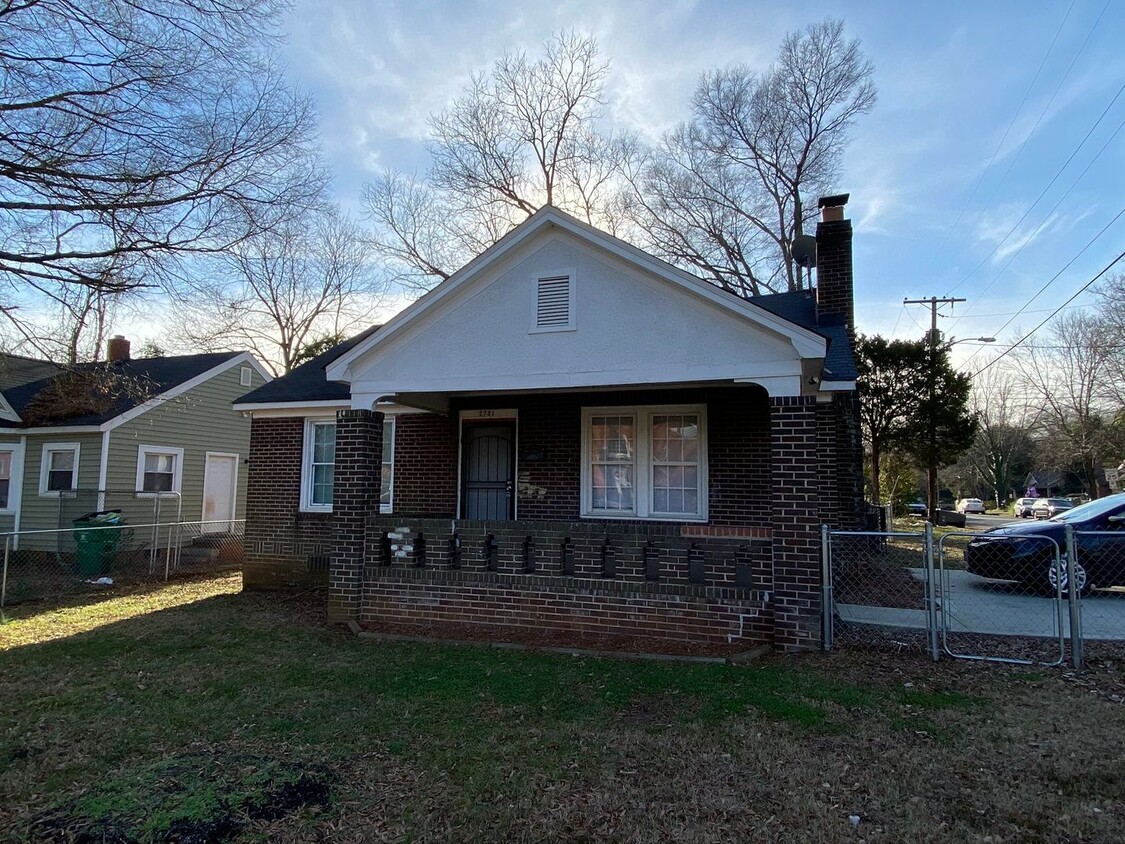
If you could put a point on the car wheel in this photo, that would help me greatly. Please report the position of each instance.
(1055, 574)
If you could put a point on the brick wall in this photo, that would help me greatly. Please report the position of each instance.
(622, 579)
(355, 495)
(284, 548)
(849, 461)
(834, 283)
(425, 481)
(796, 540)
(548, 488)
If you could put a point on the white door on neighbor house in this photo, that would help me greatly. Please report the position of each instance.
(220, 480)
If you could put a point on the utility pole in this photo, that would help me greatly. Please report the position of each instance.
(931, 469)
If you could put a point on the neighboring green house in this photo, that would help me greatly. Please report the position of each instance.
(154, 437)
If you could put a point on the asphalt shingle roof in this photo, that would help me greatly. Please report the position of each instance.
(307, 382)
(800, 308)
(154, 375)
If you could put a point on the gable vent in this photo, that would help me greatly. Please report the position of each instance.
(552, 307)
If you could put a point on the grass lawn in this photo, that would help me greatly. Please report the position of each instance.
(196, 713)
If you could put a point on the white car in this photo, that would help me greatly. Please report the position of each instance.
(970, 505)
(1023, 507)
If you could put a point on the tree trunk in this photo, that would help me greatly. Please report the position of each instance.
(876, 492)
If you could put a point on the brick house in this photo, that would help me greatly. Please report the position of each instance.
(569, 436)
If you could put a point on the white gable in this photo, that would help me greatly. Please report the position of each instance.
(559, 310)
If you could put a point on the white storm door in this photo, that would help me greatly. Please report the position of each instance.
(220, 481)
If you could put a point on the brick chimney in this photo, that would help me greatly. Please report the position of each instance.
(117, 349)
(835, 297)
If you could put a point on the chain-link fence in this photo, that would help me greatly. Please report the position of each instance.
(1024, 598)
(879, 589)
(101, 551)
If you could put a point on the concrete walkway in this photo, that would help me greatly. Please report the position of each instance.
(976, 605)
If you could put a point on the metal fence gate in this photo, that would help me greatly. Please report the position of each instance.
(970, 595)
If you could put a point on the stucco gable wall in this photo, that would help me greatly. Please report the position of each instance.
(631, 327)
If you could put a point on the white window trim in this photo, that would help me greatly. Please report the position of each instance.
(306, 465)
(644, 463)
(15, 481)
(388, 425)
(245, 376)
(571, 274)
(43, 464)
(177, 470)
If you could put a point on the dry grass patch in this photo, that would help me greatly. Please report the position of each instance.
(240, 718)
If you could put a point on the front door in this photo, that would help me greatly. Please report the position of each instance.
(220, 481)
(488, 470)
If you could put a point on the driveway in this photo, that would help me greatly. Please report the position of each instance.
(977, 605)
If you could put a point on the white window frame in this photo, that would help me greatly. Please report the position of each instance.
(644, 464)
(307, 504)
(388, 426)
(177, 469)
(246, 376)
(44, 462)
(571, 275)
(15, 480)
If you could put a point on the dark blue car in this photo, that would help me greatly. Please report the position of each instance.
(1025, 552)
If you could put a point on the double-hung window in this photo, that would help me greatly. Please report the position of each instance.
(319, 471)
(645, 462)
(320, 464)
(159, 469)
(7, 459)
(58, 471)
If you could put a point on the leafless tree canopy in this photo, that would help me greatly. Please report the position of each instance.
(131, 133)
(726, 193)
(519, 137)
(284, 289)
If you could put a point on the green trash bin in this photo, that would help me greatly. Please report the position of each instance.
(95, 548)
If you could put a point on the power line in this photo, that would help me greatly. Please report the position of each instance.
(1046, 108)
(1004, 137)
(1015, 252)
(1051, 183)
(1053, 278)
(1080, 291)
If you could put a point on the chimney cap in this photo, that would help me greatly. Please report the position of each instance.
(835, 201)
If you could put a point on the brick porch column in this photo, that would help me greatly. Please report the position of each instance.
(355, 495)
(796, 545)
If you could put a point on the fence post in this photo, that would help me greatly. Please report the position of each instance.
(1073, 598)
(931, 591)
(4, 577)
(826, 585)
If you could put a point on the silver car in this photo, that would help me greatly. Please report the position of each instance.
(1048, 508)
(1024, 507)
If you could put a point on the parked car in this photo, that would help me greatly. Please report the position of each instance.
(1048, 508)
(1026, 552)
(970, 505)
(917, 508)
(1023, 507)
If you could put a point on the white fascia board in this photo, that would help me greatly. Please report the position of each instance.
(180, 389)
(316, 406)
(807, 343)
(57, 429)
(6, 411)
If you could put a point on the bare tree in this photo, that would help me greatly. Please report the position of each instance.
(135, 133)
(518, 138)
(64, 323)
(727, 193)
(1071, 378)
(1003, 451)
(285, 289)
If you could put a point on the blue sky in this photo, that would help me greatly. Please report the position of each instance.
(980, 105)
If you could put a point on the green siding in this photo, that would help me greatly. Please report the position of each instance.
(49, 512)
(198, 421)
